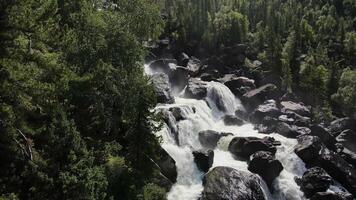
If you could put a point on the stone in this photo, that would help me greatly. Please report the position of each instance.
(204, 160)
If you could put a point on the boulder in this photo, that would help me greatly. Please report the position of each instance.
(289, 96)
(246, 146)
(291, 131)
(226, 183)
(298, 119)
(204, 160)
(257, 96)
(237, 84)
(299, 108)
(286, 119)
(196, 89)
(332, 196)
(268, 108)
(324, 135)
(167, 165)
(339, 125)
(181, 112)
(314, 153)
(315, 180)
(209, 138)
(264, 164)
(232, 120)
(162, 89)
(242, 114)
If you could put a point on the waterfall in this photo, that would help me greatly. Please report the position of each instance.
(207, 114)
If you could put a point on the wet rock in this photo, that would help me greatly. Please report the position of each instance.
(209, 139)
(314, 153)
(242, 114)
(162, 89)
(196, 89)
(324, 135)
(228, 183)
(268, 108)
(264, 164)
(204, 160)
(339, 125)
(171, 123)
(180, 113)
(332, 196)
(298, 119)
(291, 131)
(246, 146)
(299, 108)
(257, 96)
(231, 120)
(163, 65)
(167, 165)
(286, 119)
(315, 180)
(209, 77)
(237, 84)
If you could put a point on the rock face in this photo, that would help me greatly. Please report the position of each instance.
(179, 78)
(162, 89)
(167, 165)
(268, 108)
(315, 180)
(231, 120)
(289, 106)
(255, 97)
(204, 160)
(209, 139)
(314, 153)
(264, 164)
(226, 183)
(196, 89)
(246, 146)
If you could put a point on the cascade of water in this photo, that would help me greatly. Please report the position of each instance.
(206, 114)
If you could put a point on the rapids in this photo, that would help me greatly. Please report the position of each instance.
(207, 114)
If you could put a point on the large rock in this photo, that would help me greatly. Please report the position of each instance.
(162, 89)
(298, 119)
(204, 160)
(291, 131)
(299, 108)
(314, 153)
(268, 108)
(324, 135)
(257, 96)
(167, 165)
(196, 89)
(224, 183)
(339, 125)
(264, 164)
(315, 180)
(209, 138)
(232, 120)
(183, 60)
(238, 85)
(246, 146)
(332, 196)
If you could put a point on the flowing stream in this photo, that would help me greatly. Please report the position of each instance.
(203, 115)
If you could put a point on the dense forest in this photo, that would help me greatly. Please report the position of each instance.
(76, 117)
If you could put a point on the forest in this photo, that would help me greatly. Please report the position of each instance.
(76, 109)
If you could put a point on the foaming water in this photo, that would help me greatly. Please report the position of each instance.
(200, 115)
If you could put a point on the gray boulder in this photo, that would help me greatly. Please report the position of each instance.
(226, 183)
(196, 89)
(209, 138)
(162, 89)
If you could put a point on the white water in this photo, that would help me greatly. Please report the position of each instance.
(207, 116)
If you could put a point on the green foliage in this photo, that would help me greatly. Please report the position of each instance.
(73, 94)
(346, 94)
